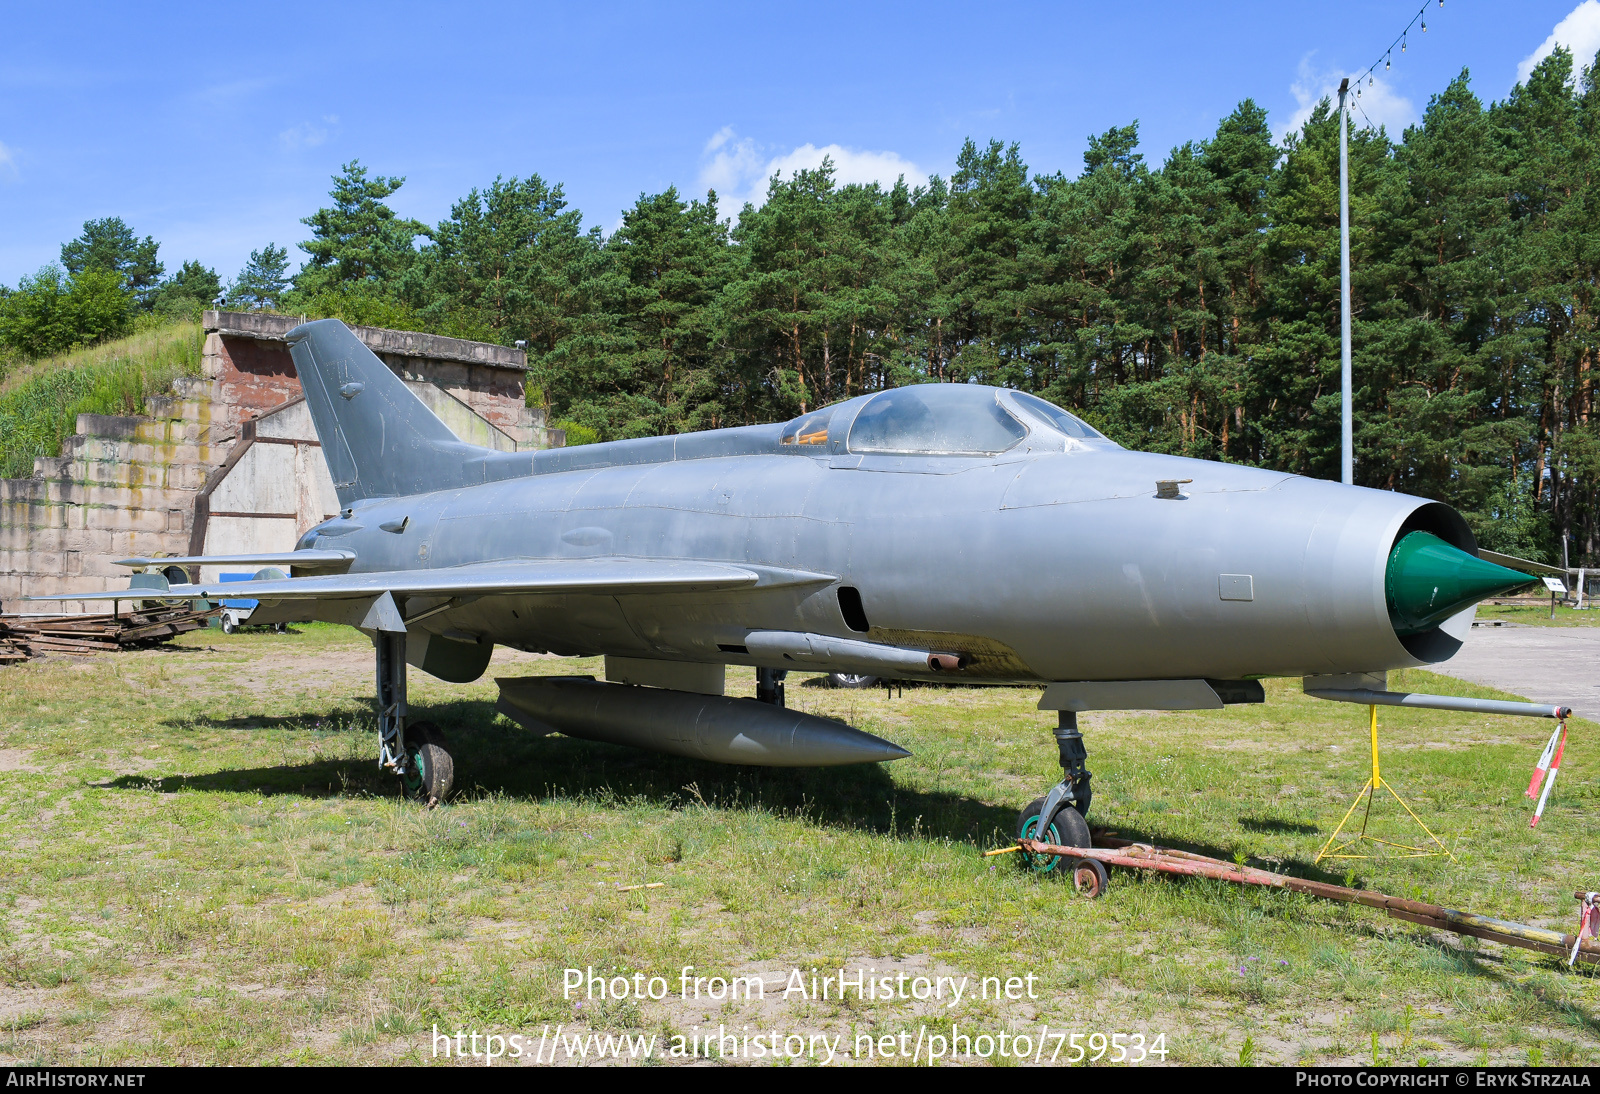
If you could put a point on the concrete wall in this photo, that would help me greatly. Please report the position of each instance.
(122, 486)
(230, 462)
(273, 487)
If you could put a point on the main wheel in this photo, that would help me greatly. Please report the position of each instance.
(228, 625)
(1067, 829)
(430, 772)
(851, 680)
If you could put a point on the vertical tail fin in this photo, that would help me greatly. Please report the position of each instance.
(378, 438)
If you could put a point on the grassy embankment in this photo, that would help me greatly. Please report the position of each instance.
(203, 865)
(40, 401)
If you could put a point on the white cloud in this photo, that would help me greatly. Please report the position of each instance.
(306, 135)
(1378, 101)
(8, 163)
(849, 165)
(1579, 32)
(739, 172)
(727, 164)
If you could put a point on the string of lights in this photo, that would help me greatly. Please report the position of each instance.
(1387, 57)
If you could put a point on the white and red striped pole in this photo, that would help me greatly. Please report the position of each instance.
(1549, 766)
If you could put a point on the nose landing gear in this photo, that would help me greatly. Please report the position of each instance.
(1058, 817)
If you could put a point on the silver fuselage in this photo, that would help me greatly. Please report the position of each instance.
(1054, 561)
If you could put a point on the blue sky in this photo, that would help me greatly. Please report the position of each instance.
(215, 128)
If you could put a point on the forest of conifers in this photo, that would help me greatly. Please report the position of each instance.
(1189, 308)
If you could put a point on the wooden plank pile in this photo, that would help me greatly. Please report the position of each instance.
(25, 636)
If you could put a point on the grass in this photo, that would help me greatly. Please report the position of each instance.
(1538, 615)
(40, 402)
(203, 865)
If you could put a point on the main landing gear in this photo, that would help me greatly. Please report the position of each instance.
(1058, 817)
(415, 752)
(769, 686)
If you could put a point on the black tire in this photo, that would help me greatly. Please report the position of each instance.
(1066, 829)
(430, 770)
(851, 680)
(227, 623)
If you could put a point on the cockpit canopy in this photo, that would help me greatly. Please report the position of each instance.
(942, 419)
(939, 419)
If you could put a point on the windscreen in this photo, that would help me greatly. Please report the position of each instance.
(935, 419)
(808, 428)
(1070, 425)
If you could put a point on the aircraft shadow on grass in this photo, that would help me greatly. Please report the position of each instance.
(494, 756)
(1276, 826)
(1294, 866)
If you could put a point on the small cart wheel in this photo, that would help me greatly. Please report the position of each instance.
(1089, 877)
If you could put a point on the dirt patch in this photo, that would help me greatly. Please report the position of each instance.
(16, 759)
(297, 671)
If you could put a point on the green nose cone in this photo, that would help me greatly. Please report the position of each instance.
(1428, 581)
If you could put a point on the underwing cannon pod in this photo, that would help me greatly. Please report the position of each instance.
(702, 727)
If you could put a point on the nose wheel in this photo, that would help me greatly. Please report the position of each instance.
(1066, 828)
(1058, 817)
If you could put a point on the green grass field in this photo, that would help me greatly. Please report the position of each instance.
(1538, 615)
(203, 865)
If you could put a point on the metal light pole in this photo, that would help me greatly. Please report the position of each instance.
(1346, 432)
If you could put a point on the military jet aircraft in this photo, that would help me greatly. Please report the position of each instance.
(937, 532)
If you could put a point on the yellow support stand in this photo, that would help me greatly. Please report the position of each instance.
(1369, 792)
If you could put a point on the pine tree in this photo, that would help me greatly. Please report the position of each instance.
(667, 263)
(777, 298)
(186, 293)
(1296, 371)
(263, 281)
(358, 241)
(109, 244)
(511, 263)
